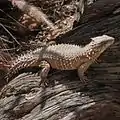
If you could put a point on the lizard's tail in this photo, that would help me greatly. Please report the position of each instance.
(21, 62)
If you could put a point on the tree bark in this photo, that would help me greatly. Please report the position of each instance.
(66, 98)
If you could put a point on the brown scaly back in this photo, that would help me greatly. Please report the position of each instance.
(64, 56)
(21, 62)
(61, 56)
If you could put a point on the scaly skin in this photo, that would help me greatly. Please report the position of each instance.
(63, 56)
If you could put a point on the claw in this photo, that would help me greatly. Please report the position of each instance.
(44, 73)
(84, 80)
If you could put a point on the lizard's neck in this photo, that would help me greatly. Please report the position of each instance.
(90, 51)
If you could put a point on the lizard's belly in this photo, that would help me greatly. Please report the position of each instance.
(63, 64)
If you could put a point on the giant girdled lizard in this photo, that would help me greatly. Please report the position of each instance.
(62, 57)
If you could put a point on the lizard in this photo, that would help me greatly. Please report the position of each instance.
(62, 57)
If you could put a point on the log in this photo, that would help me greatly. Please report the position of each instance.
(66, 98)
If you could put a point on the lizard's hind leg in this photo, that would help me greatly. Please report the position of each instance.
(44, 72)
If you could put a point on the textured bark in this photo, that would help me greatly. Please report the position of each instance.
(66, 98)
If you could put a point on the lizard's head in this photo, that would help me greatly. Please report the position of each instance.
(94, 49)
(98, 45)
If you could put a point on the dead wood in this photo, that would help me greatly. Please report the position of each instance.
(66, 98)
(33, 12)
(68, 12)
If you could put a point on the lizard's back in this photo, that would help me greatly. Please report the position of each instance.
(63, 56)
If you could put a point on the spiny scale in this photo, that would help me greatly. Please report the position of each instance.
(21, 62)
(61, 56)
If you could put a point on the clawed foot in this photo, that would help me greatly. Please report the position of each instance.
(44, 82)
(44, 72)
(84, 80)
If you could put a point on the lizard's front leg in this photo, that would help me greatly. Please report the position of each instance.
(44, 72)
(81, 75)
